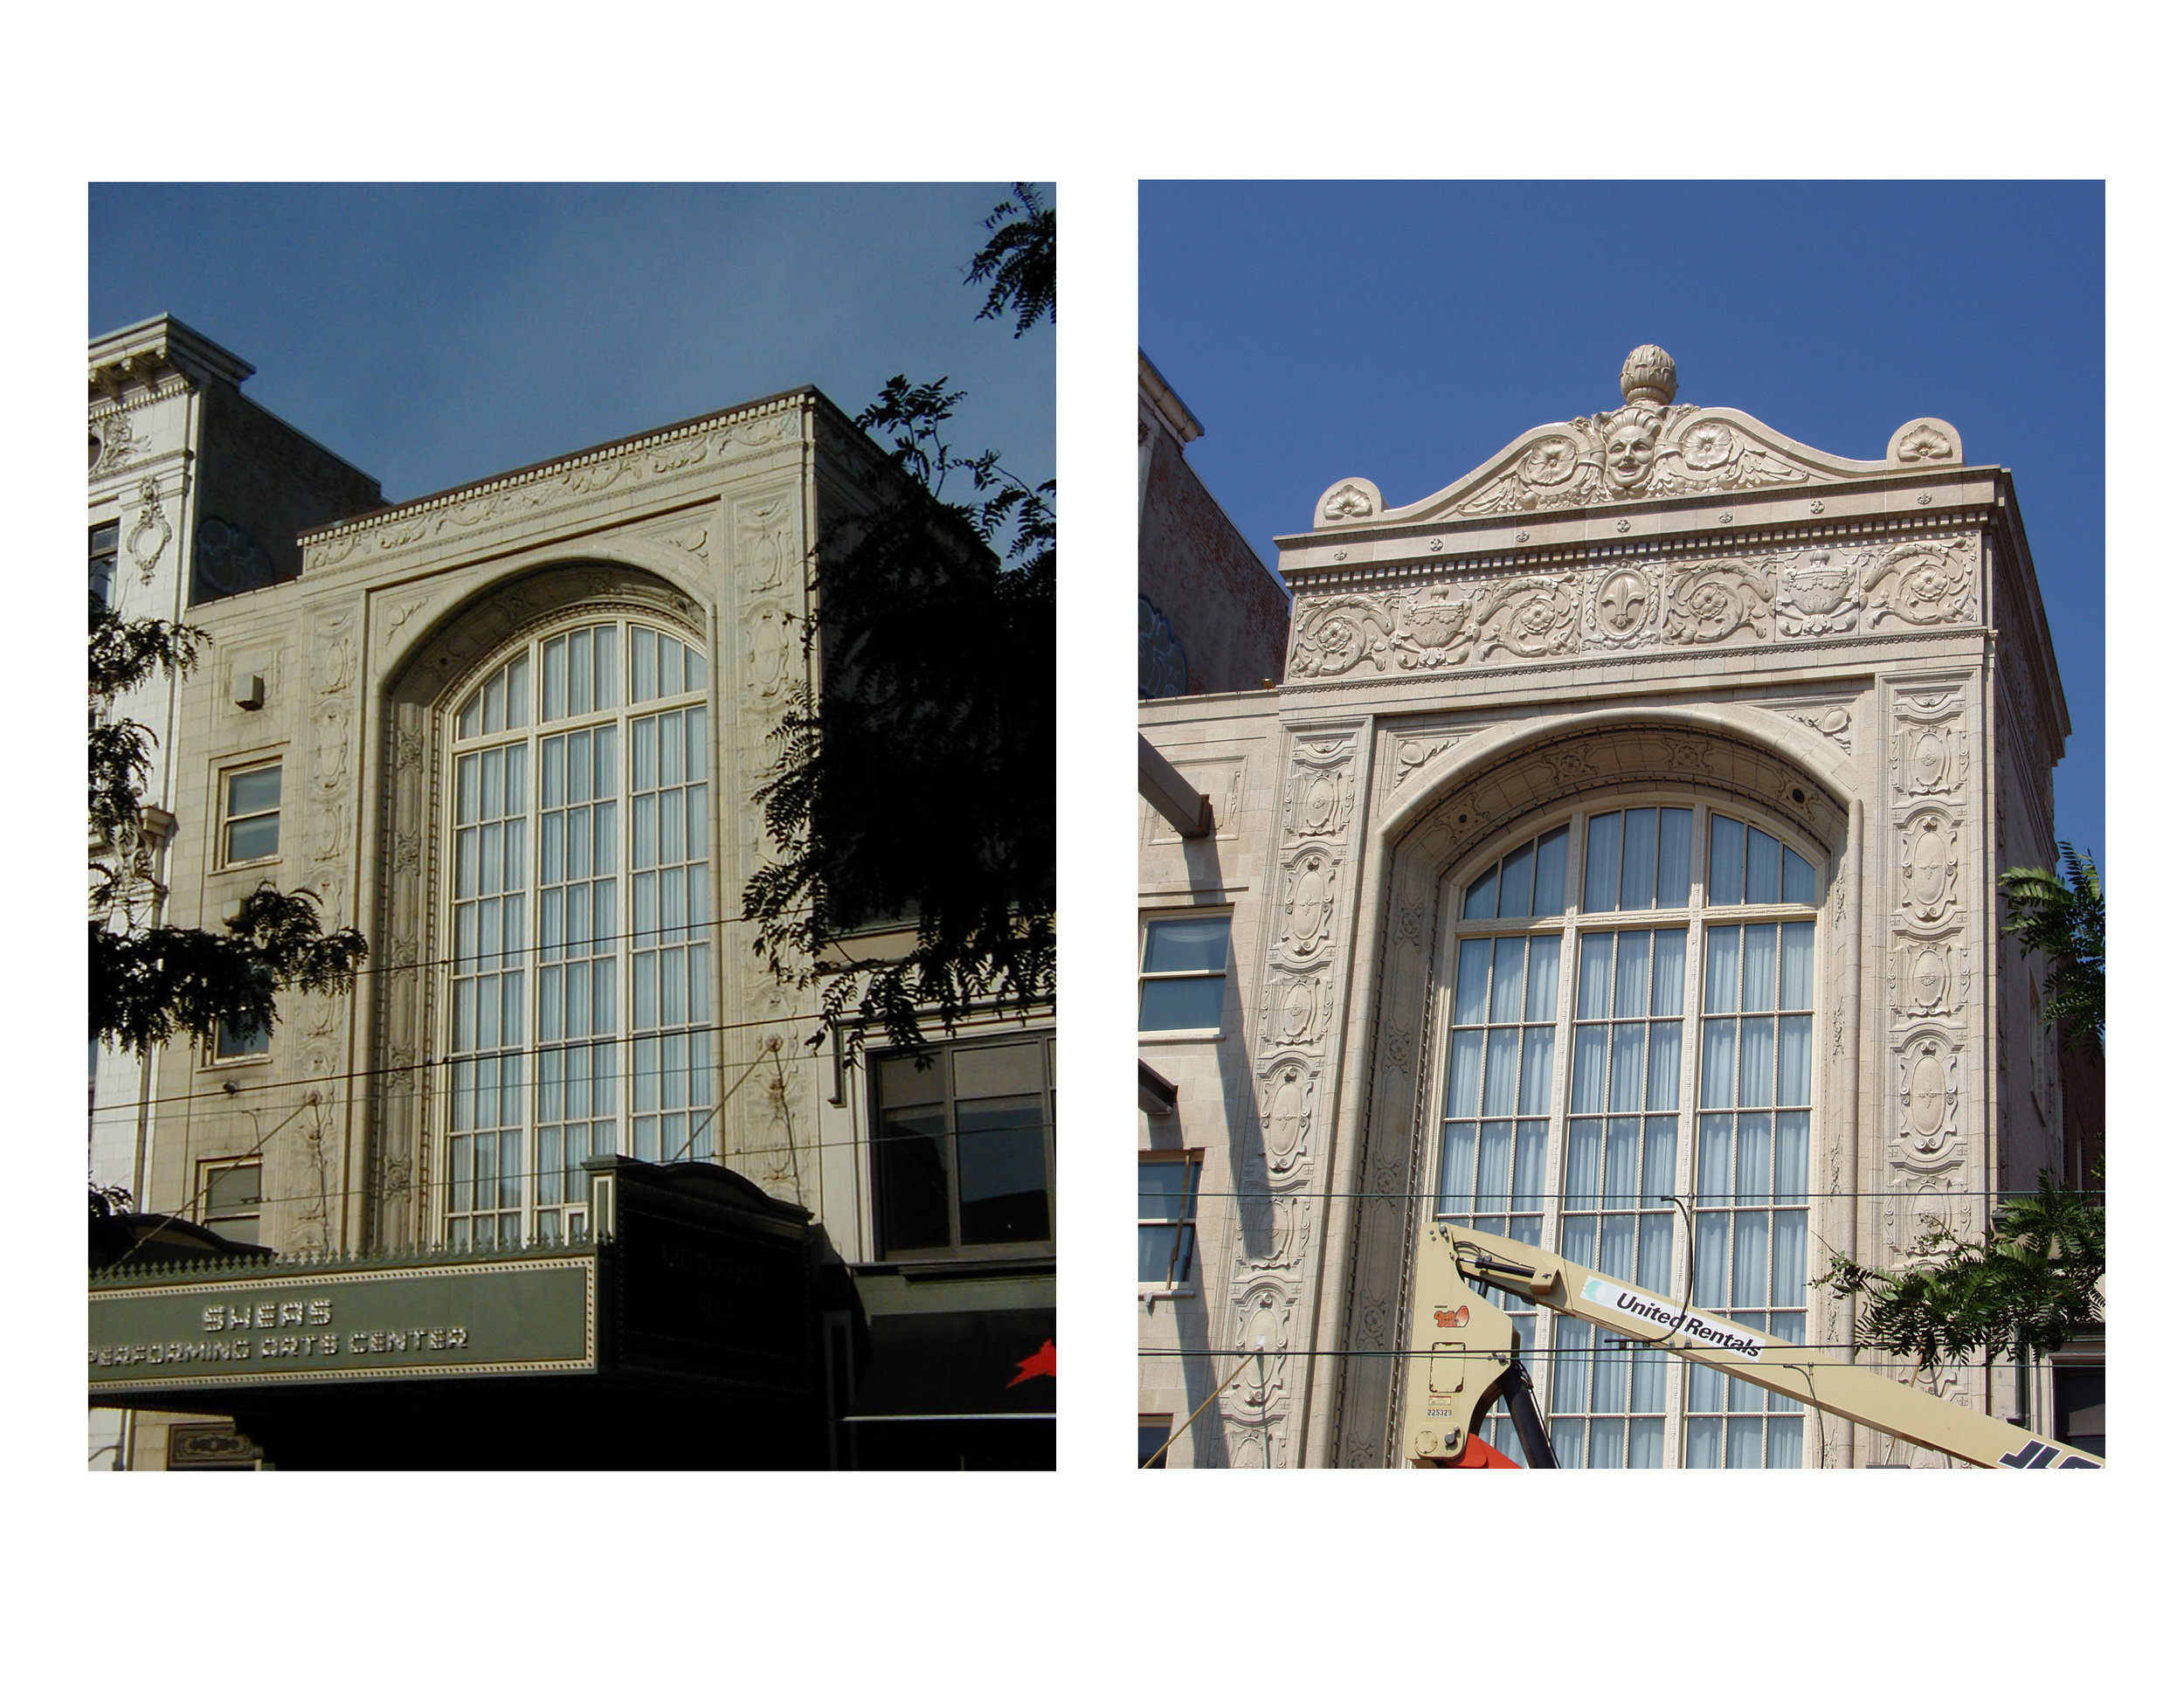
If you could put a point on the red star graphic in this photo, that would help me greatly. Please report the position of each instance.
(1039, 1364)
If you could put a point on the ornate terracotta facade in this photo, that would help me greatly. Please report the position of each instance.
(1663, 601)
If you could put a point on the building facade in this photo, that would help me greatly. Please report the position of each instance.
(1209, 617)
(511, 733)
(1614, 868)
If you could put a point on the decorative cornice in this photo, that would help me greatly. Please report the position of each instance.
(1646, 449)
(1575, 553)
(758, 424)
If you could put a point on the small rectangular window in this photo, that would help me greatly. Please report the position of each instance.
(106, 546)
(229, 1195)
(1184, 977)
(250, 828)
(232, 1043)
(1153, 1432)
(963, 1150)
(1167, 1220)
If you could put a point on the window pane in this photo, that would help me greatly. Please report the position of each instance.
(1725, 876)
(1528, 1186)
(1160, 1186)
(1478, 902)
(1634, 966)
(1605, 1453)
(1656, 1247)
(1539, 1075)
(911, 1177)
(1001, 1169)
(1722, 943)
(643, 667)
(1791, 1136)
(1186, 946)
(1170, 1004)
(1755, 1157)
(250, 841)
(1580, 1242)
(1595, 950)
(1515, 898)
(1668, 972)
(1004, 1069)
(1546, 966)
(1603, 862)
(1786, 1443)
(1581, 1176)
(1464, 1049)
(1472, 960)
(1799, 881)
(1664, 1063)
(580, 671)
(1459, 1143)
(1495, 1140)
(1508, 1002)
(1701, 1438)
(1626, 1068)
(1703, 1390)
(254, 791)
(1639, 829)
(1755, 1064)
(1717, 1063)
(520, 691)
(1660, 1173)
(1714, 1132)
(1620, 1186)
(1588, 1071)
(1789, 1258)
(1794, 1084)
(1711, 1278)
(556, 681)
(1550, 878)
(1763, 867)
(1759, 985)
(1501, 1074)
(1797, 965)
(1742, 1452)
(1672, 887)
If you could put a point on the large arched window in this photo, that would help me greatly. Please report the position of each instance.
(1627, 1079)
(579, 1016)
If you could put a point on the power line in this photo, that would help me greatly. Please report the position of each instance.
(353, 1075)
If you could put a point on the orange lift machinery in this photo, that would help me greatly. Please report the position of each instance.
(1463, 1360)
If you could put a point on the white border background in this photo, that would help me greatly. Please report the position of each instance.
(1092, 1569)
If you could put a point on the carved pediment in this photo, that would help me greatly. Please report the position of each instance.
(1649, 447)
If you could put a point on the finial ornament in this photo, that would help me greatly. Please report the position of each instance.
(1648, 377)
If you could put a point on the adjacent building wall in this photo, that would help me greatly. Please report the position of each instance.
(1212, 617)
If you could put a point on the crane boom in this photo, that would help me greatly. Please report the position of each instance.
(1464, 1356)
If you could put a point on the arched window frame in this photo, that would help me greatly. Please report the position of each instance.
(531, 1208)
(1683, 1401)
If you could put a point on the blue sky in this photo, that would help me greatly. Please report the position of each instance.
(1405, 331)
(434, 335)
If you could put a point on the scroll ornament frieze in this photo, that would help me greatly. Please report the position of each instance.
(1930, 981)
(1296, 1007)
(1639, 604)
(1925, 585)
(1531, 618)
(1927, 1086)
(1709, 601)
(1286, 1096)
(1820, 595)
(148, 538)
(1273, 1230)
(1308, 906)
(1930, 758)
(1831, 721)
(1264, 1316)
(1928, 856)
